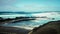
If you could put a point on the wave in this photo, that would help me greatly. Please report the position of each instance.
(45, 17)
(23, 12)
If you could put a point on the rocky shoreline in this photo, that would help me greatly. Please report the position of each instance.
(5, 30)
(14, 20)
(52, 27)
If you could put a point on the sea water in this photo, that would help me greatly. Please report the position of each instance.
(33, 23)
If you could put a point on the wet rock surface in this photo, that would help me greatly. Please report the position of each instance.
(13, 30)
(52, 27)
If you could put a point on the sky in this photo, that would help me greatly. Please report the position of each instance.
(29, 5)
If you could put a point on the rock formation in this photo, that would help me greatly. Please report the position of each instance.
(52, 27)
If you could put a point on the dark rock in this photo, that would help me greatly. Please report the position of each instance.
(14, 30)
(52, 27)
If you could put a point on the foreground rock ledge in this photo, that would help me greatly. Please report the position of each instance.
(52, 27)
(13, 30)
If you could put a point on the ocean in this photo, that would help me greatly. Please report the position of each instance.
(45, 18)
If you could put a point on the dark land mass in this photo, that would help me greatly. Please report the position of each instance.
(15, 20)
(19, 19)
(13, 30)
(52, 27)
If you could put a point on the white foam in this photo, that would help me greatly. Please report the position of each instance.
(12, 16)
(25, 27)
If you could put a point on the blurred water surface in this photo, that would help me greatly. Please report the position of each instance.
(33, 23)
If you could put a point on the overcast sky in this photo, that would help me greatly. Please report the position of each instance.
(29, 5)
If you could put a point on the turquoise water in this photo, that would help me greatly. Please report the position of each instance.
(37, 22)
